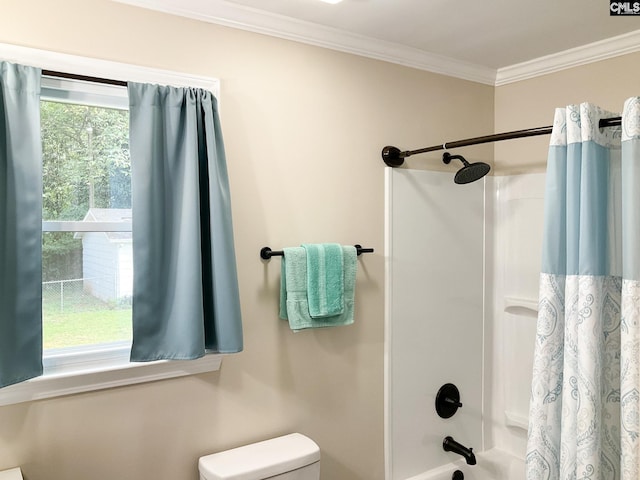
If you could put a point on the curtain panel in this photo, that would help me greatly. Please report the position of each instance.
(185, 293)
(186, 299)
(583, 420)
(20, 224)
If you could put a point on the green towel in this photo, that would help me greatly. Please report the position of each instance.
(294, 305)
(325, 285)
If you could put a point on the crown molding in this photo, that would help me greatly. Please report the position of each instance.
(254, 20)
(227, 14)
(574, 57)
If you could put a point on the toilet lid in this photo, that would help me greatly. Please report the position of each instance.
(260, 460)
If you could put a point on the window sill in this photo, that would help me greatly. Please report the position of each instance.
(77, 372)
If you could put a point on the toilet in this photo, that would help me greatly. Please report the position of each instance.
(290, 457)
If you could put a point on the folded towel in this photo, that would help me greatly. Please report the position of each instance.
(325, 285)
(294, 304)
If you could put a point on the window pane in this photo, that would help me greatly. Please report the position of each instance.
(86, 160)
(86, 290)
(87, 277)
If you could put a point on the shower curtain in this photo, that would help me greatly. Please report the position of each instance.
(583, 419)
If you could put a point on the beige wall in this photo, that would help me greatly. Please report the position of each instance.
(531, 103)
(304, 128)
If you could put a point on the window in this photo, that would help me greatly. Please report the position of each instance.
(86, 244)
(87, 265)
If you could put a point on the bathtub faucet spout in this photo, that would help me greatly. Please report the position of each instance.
(450, 445)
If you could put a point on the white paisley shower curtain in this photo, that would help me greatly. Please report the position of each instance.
(583, 421)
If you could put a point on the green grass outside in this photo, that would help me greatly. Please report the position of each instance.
(85, 320)
(86, 328)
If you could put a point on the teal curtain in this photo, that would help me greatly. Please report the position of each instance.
(585, 401)
(185, 293)
(20, 224)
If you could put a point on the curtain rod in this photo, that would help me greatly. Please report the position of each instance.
(84, 78)
(393, 157)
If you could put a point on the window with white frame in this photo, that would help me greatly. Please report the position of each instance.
(86, 219)
(87, 263)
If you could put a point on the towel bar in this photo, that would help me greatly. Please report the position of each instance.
(266, 253)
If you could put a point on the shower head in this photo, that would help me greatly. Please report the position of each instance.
(470, 172)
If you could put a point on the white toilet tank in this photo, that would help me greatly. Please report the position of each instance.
(291, 457)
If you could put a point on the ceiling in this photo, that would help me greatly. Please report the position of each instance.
(483, 36)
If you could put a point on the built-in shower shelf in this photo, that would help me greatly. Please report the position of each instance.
(521, 305)
(517, 420)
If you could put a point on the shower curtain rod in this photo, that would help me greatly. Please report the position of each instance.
(393, 157)
(84, 78)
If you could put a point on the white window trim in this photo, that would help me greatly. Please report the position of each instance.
(82, 226)
(92, 67)
(65, 90)
(94, 375)
(76, 370)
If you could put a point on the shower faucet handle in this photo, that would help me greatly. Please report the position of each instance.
(448, 400)
(453, 401)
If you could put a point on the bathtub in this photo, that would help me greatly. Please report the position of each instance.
(493, 464)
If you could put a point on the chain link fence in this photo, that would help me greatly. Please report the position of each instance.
(78, 295)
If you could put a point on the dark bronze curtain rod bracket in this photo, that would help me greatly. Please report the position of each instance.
(266, 253)
(394, 157)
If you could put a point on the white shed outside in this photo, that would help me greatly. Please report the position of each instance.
(107, 257)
